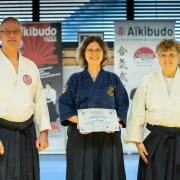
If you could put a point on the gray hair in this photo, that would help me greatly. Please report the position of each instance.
(10, 19)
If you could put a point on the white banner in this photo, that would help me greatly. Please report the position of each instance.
(134, 53)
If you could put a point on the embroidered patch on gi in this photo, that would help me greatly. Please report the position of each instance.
(65, 88)
(110, 91)
(27, 79)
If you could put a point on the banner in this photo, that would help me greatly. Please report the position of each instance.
(134, 52)
(42, 44)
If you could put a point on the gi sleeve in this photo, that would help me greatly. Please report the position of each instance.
(122, 102)
(67, 102)
(135, 126)
(41, 114)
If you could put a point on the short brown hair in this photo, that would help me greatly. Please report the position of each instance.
(82, 47)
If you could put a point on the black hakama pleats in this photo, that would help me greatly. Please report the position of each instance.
(96, 156)
(20, 160)
(163, 146)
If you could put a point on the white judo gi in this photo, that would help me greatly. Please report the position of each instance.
(22, 94)
(154, 105)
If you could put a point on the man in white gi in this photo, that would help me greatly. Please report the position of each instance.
(22, 106)
(156, 107)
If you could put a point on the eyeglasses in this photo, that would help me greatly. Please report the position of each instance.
(15, 32)
(170, 56)
(96, 51)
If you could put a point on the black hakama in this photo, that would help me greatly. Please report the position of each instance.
(20, 160)
(96, 156)
(163, 147)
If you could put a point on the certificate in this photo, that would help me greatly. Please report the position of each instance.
(98, 120)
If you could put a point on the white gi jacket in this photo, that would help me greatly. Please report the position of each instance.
(21, 94)
(153, 105)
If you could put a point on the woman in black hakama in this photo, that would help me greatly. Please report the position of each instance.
(97, 155)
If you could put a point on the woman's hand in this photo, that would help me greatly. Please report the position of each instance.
(82, 132)
(1, 148)
(142, 151)
(75, 119)
(120, 126)
(119, 120)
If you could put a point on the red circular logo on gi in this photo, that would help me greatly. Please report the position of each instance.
(27, 79)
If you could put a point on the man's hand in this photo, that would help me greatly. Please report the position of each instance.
(42, 141)
(1, 148)
(142, 151)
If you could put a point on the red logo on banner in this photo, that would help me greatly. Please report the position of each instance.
(27, 79)
(121, 31)
(145, 54)
(39, 43)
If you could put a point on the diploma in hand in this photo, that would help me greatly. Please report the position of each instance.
(97, 120)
